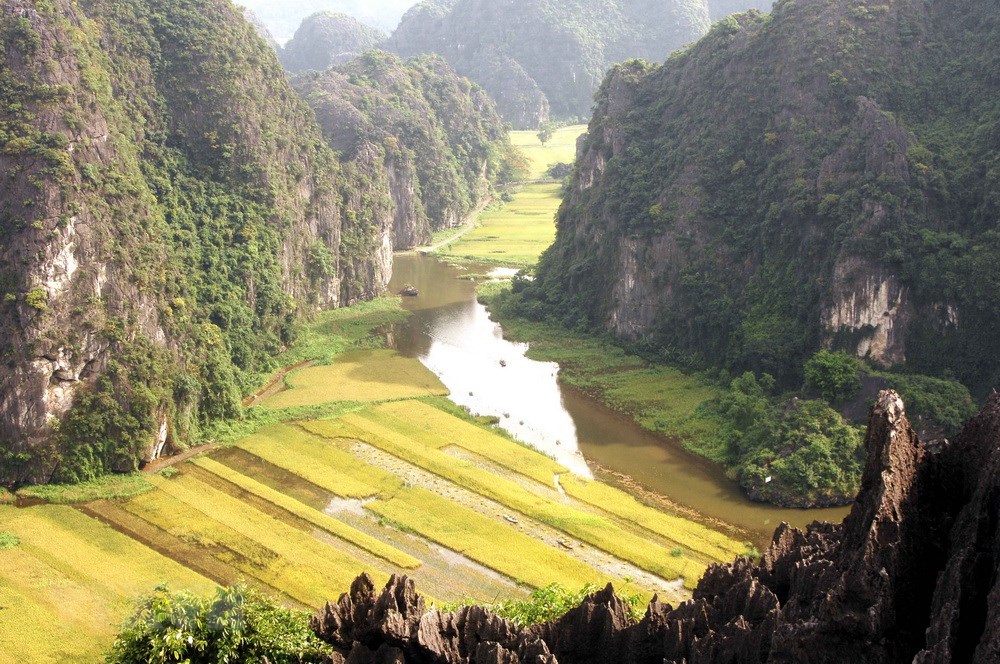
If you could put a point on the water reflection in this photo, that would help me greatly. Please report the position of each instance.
(452, 335)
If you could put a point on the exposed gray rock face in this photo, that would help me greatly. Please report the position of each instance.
(911, 575)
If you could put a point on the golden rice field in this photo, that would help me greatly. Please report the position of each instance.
(391, 481)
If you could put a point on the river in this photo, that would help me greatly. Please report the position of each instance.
(452, 334)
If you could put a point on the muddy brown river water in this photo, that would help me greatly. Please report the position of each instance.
(452, 334)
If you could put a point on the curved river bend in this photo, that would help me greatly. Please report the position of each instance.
(451, 334)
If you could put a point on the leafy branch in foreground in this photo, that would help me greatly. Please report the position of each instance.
(238, 624)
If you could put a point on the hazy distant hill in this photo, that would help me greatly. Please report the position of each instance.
(326, 39)
(283, 17)
(537, 57)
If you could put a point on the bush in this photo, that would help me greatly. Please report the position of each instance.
(549, 603)
(238, 624)
(834, 375)
(786, 450)
(8, 540)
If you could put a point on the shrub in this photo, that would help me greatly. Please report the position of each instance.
(834, 375)
(8, 540)
(550, 603)
(37, 299)
(238, 624)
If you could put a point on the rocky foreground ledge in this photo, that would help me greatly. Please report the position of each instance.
(910, 575)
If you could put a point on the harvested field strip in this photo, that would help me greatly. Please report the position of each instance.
(59, 602)
(688, 534)
(484, 540)
(188, 554)
(363, 375)
(316, 461)
(436, 428)
(588, 527)
(318, 519)
(276, 553)
(317, 571)
(85, 549)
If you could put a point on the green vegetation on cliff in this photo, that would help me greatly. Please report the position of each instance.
(441, 142)
(839, 191)
(173, 210)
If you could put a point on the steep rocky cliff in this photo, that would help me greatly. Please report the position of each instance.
(911, 575)
(545, 56)
(326, 39)
(169, 209)
(436, 137)
(824, 175)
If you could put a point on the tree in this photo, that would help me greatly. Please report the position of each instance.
(545, 132)
(833, 375)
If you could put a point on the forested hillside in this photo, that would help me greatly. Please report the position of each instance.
(171, 209)
(824, 176)
(441, 142)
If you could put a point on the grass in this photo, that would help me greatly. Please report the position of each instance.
(8, 540)
(363, 375)
(60, 601)
(561, 149)
(319, 519)
(334, 332)
(318, 462)
(513, 233)
(104, 488)
(588, 527)
(436, 428)
(484, 540)
(6, 497)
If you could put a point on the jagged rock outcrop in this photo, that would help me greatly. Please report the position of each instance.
(327, 38)
(433, 139)
(794, 181)
(911, 575)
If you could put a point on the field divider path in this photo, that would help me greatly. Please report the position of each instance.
(587, 527)
(308, 569)
(435, 428)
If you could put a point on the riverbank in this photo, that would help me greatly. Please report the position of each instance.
(341, 471)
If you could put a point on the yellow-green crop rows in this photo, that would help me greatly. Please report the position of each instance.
(68, 584)
(390, 483)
